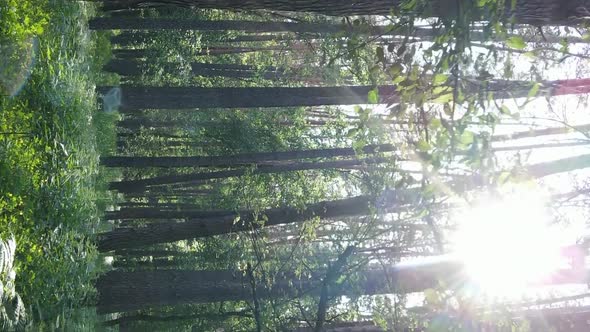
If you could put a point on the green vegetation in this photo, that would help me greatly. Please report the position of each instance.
(51, 135)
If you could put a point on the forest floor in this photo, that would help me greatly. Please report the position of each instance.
(51, 135)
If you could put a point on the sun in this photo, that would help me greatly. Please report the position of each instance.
(507, 244)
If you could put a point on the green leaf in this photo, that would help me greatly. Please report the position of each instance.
(516, 42)
(435, 123)
(395, 69)
(373, 96)
(445, 98)
(505, 110)
(466, 138)
(530, 55)
(351, 133)
(534, 90)
(440, 79)
(423, 146)
(409, 5)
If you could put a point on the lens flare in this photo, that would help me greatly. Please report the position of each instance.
(507, 244)
(16, 63)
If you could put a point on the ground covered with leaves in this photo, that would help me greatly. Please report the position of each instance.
(51, 136)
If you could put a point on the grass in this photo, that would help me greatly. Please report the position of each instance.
(51, 135)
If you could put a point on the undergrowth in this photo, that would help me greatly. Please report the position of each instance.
(51, 136)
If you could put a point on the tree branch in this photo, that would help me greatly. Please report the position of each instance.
(332, 275)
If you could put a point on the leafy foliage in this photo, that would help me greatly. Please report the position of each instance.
(12, 309)
(49, 154)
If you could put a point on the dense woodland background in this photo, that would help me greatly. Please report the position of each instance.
(219, 165)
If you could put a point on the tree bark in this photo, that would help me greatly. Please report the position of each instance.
(542, 132)
(131, 67)
(140, 185)
(126, 291)
(112, 23)
(259, 158)
(558, 166)
(125, 238)
(137, 97)
(534, 12)
(159, 213)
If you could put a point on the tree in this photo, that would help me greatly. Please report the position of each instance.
(134, 97)
(534, 12)
(139, 185)
(191, 98)
(134, 67)
(128, 291)
(111, 23)
(260, 158)
(123, 238)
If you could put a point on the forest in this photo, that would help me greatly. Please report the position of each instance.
(294, 165)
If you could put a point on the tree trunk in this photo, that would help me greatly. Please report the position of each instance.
(124, 238)
(117, 23)
(534, 12)
(214, 51)
(542, 132)
(159, 213)
(259, 158)
(558, 166)
(131, 67)
(136, 97)
(258, 38)
(193, 97)
(126, 291)
(139, 185)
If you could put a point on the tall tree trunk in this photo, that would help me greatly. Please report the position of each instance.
(124, 238)
(126, 291)
(542, 132)
(192, 97)
(139, 185)
(214, 51)
(258, 38)
(131, 67)
(534, 12)
(159, 213)
(116, 23)
(240, 159)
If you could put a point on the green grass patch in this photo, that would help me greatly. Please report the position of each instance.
(51, 136)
